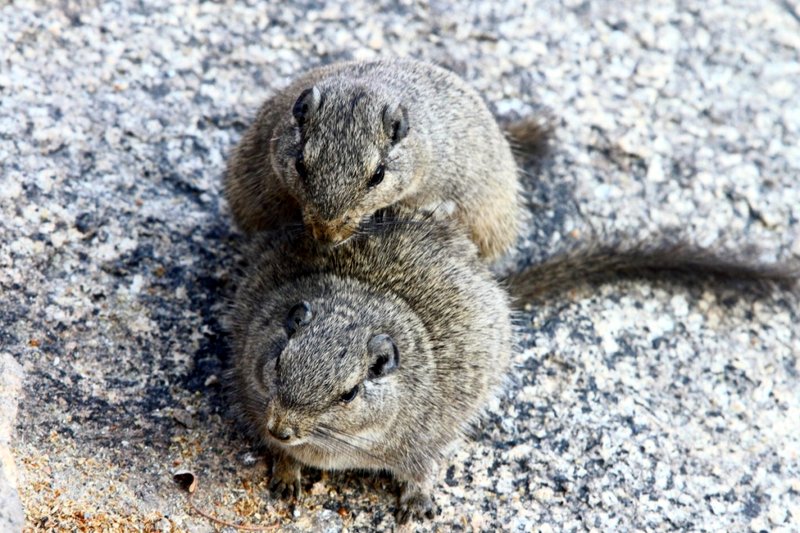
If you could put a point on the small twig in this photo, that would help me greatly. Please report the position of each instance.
(189, 481)
(245, 527)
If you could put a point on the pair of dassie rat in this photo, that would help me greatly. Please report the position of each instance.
(373, 341)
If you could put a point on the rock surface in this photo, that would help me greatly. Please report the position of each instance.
(11, 515)
(635, 405)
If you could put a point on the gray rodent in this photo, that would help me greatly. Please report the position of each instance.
(380, 354)
(345, 140)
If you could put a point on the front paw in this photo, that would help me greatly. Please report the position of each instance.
(286, 478)
(414, 503)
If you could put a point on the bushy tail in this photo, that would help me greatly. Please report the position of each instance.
(603, 262)
(530, 137)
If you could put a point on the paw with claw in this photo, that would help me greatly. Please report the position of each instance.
(414, 503)
(286, 480)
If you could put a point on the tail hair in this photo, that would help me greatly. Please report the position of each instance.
(603, 262)
(530, 136)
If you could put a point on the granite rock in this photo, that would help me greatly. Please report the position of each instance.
(11, 515)
(637, 405)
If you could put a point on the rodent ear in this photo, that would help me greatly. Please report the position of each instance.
(395, 122)
(299, 315)
(306, 105)
(384, 356)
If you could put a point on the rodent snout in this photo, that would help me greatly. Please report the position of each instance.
(282, 434)
(280, 430)
(281, 424)
(331, 231)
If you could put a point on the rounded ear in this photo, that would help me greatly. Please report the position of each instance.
(306, 105)
(395, 122)
(299, 315)
(384, 356)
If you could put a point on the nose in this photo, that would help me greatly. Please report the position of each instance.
(320, 232)
(329, 231)
(281, 433)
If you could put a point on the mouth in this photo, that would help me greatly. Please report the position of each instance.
(291, 442)
(300, 441)
(331, 233)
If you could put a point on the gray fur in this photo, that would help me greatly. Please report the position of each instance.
(597, 262)
(419, 282)
(452, 152)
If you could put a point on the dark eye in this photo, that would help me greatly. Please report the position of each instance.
(350, 395)
(377, 177)
(300, 167)
(299, 315)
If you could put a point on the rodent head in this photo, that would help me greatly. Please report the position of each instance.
(351, 155)
(328, 369)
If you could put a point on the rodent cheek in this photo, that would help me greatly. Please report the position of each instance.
(375, 411)
(291, 181)
(282, 160)
(295, 188)
(394, 188)
(268, 373)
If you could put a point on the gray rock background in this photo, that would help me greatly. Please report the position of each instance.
(11, 514)
(644, 405)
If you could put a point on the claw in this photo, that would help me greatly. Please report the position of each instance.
(414, 505)
(286, 490)
(402, 516)
(286, 481)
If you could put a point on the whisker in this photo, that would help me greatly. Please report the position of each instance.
(344, 439)
(335, 446)
(344, 241)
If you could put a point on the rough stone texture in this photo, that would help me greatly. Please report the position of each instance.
(11, 515)
(636, 405)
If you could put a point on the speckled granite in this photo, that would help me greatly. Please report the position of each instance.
(637, 405)
(11, 376)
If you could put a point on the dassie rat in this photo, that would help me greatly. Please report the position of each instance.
(379, 354)
(346, 140)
